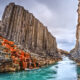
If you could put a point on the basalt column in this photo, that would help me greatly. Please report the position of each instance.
(24, 29)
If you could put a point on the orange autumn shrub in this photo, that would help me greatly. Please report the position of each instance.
(10, 42)
(22, 53)
(13, 57)
(1, 37)
(3, 44)
(17, 54)
(8, 46)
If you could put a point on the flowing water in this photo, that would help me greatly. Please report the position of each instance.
(63, 70)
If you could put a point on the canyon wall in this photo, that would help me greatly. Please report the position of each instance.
(24, 29)
(75, 53)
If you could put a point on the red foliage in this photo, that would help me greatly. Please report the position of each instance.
(17, 54)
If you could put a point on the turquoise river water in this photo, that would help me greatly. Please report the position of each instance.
(62, 70)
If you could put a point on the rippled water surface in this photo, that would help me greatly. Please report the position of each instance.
(63, 70)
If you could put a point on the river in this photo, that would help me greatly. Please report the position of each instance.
(62, 70)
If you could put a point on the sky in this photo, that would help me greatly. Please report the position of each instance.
(60, 17)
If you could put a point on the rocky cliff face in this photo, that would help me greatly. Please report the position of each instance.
(75, 53)
(24, 29)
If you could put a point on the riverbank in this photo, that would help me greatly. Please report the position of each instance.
(9, 66)
(62, 70)
(75, 59)
(13, 58)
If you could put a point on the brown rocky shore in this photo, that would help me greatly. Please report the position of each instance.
(28, 34)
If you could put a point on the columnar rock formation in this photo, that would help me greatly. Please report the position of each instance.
(75, 53)
(24, 29)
